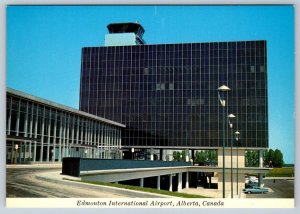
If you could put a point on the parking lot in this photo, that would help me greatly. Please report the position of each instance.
(278, 188)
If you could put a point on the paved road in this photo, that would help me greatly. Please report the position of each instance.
(280, 189)
(22, 183)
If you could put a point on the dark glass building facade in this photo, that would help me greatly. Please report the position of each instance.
(166, 94)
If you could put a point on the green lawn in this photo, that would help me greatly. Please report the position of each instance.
(281, 172)
(142, 189)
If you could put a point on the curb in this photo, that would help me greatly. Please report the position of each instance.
(279, 178)
(36, 165)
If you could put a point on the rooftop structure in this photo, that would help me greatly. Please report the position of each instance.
(121, 34)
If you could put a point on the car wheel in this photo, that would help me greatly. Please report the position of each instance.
(249, 192)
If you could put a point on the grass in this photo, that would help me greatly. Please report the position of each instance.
(142, 189)
(281, 172)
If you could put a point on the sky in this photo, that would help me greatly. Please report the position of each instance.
(44, 48)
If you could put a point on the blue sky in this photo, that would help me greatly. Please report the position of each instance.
(44, 47)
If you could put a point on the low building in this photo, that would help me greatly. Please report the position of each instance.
(39, 130)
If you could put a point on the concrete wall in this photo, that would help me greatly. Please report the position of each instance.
(241, 157)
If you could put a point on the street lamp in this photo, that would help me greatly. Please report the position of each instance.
(237, 133)
(230, 119)
(221, 91)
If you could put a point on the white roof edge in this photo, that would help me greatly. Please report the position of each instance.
(60, 106)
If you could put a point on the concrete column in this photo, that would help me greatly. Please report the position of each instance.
(82, 131)
(12, 152)
(120, 141)
(158, 182)
(30, 133)
(187, 157)
(18, 119)
(30, 152)
(261, 160)
(141, 182)
(48, 140)
(34, 151)
(42, 136)
(98, 140)
(101, 140)
(20, 152)
(187, 182)
(77, 131)
(54, 138)
(86, 136)
(151, 154)
(67, 139)
(35, 136)
(170, 183)
(179, 189)
(25, 149)
(73, 134)
(64, 138)
(261, 163)
(105, 141)
(8, 128)
(60, 138)
(26, 132)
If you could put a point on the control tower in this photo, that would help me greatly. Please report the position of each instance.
(123, 34)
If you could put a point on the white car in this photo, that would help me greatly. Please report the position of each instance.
(251, 179)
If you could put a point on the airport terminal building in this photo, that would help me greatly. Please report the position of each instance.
(160, 97)
(166, 94)
(38, 130)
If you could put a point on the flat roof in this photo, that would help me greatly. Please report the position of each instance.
(182, 43)
(60, 106)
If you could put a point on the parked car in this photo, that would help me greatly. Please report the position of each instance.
(255, 189)
(251, 179)
(251, 184)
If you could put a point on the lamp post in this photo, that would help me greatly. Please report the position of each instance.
(237, 133)
(230, 118)
(221, 91)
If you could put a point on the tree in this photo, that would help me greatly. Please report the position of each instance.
(179, 156)
(273, 158)
(207, 157)
(278, 158)
(252, 159)
(200, 158)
